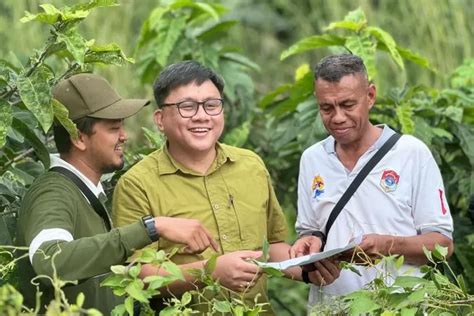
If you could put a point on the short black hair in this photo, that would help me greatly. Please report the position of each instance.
(62, 138)
(332, 68)
(183, 73)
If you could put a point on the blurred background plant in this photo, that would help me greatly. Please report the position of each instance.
(427, 90)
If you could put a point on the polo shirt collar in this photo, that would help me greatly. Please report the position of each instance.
(330, 143)
(56, 161)
(168, 165)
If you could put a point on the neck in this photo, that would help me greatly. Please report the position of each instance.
(350, 153)
(83, 166)
(198, 161)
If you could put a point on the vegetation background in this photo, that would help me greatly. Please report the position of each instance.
(441, 31)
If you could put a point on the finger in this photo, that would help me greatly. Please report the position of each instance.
(332, 268)
(246, 254)
(292, 252)
(212, 241)
(315, 245)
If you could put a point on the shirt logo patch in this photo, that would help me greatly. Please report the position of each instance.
(389, 180)
(317, 186)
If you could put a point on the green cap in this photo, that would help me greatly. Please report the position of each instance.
(91, 95)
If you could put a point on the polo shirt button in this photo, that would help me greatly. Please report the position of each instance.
(224, 237)
(216, 206)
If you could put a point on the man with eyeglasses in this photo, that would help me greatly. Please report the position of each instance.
(194, 176)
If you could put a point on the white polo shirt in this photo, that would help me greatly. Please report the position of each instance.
(403, 195)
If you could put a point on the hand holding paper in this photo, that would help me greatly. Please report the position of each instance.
(311, 258)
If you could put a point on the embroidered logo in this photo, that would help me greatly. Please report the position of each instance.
(444, 210)
(389, 180)
(317, 186)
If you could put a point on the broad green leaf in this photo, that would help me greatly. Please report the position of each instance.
(95, 4)
(270, 97)
(50, 16)
(135, 270)
(462, 284)
(302, 71)
(362, 303)
(440, 252)
(363, 46)
(110, 54)
(428, 254)
(241, 59)
(463, 76)
(356, 15)
(80, 299)
(388, 313)
(442, 133)
(135, 290)
(266, 250)
(169, 38)
(216, 31)
(29, 134)
(408, 311)
(454, 113)
(113, 280)
(61, 114)
(238, 136)
(186, 298)
(389, 42)
(35, 92)
(222, 307)
(75, 43)
(273, 272)
(399, 262)
(173, 269)
(207, 9)
(415, 58)
(301, 91)
(409, 282)
(311, 43)
(129, 305)
(210, 264)
(465, 133)
(348, 25)
(405, 117)
(6, 118)
(118, 269)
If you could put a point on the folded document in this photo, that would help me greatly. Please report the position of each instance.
(313, 257)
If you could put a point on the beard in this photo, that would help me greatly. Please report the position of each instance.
(113, 167)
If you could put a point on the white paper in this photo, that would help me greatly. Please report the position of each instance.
(312, 257)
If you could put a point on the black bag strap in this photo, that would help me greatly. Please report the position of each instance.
(93, 200)
(358, 180)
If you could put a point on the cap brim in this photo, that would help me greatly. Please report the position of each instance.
(120, 109)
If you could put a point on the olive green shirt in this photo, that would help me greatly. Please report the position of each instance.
(55, 202)
(235, 201)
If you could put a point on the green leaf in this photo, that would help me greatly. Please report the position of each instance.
(186, 298)
(216, 31)
(273, 272)
(462, 284)
(211, 264)
(415, 58)
(129, 305)
(440, 252)
(408, 311)
(222, 307)
(50, 16)
(135, 290)
(118, 269)
(135, 270)
(362, 303)
(168, 39)
(405, 117)
(35, 92)
(238, 136)
(428, 254)
(6, 118)
(110, 54)
(61, 113)
(173, 269)
(95, 4)
(80, 299)
(409, 282)
(465, 134)
(271, 96)
(365, 47)
(74, 42)
(241, 59)
(207, 9)
(311, 43)
(389, 42)
(156, 139)
(40, 149)
(113, 281)
(399, 262)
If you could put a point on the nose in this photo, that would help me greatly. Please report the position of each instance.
(339, 115)
(123, 136)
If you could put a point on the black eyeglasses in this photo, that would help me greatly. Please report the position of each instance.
(188, 109)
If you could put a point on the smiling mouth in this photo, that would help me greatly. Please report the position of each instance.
(199, 130)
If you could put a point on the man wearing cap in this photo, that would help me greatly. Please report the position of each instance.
(60, 218)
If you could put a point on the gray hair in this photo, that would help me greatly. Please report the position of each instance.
(332, 68)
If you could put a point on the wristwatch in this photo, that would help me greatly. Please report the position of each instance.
(149, 223)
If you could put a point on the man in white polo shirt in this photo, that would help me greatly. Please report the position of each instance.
(399, 207)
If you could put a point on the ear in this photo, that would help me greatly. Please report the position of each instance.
(371, 95)
(158, 118)
(80, 142)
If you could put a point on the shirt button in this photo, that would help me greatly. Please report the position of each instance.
(216, 206)
(224, 237)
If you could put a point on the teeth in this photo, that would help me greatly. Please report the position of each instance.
(199, 129)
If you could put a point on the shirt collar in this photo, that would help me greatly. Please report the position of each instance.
(56, 161)
(330, 143)
(168, 165)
